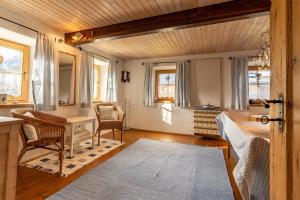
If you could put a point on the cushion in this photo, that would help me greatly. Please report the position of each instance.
(29, 114)
(108, 124)
(115, 115)
(106, 112)
(30, 130)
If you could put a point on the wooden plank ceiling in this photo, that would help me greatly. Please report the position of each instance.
(70, 16)
(75, 15)
(224, 37)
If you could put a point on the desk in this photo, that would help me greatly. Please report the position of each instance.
(75, 121)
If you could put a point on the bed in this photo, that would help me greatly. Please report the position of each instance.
(250, 143)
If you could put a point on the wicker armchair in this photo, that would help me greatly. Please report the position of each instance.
(109, 124)
(50, 131)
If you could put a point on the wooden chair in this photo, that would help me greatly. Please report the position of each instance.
(50, 131)
(110, 124)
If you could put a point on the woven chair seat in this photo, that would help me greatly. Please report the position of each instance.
(50, 131)
(105, 124)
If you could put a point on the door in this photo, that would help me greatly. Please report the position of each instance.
(285, 63)
(295, 137)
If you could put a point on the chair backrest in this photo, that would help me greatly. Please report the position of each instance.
(19, 113)
(115, 108)
(40, 119)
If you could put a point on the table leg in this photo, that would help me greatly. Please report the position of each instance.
(93, 133)
(72, 142)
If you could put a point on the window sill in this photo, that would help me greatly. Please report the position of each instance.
(162, 101)
(16, 105)
(97, 101)
(66, 105)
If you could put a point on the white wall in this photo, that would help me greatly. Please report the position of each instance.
(205, 82)
(178, 120)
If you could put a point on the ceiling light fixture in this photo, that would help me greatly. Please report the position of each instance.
(263, 59)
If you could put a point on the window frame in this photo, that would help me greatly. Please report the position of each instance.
(162, 99)
(254, 102)
(96, 68)
(25, 69)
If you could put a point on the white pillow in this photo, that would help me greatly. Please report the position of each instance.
(29, 114)
(115, 115)
(106, 112)
(30, 130)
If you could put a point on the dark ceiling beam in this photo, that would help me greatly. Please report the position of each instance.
(217, 13)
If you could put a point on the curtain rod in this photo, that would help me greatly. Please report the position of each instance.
(19, 24)
(59, 40)
(163, 62)
(80, 48)
(230, 58)
(104, 57)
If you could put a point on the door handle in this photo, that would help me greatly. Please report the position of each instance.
(279, 115)
(266, 103)
(265, 120)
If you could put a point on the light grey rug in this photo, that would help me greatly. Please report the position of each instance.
(154, 170)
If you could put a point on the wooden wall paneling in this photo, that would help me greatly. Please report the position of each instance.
(296, 100)
(281, 83)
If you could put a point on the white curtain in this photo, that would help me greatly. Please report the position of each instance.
(86, 79)
(149, 85)
(44, 77)
(240, 84)
(111, 90)
(182, 89)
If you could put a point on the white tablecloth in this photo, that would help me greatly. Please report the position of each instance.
(252, 148)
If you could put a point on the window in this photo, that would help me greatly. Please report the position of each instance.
(165, 85)
(259, 83)
(100, 79)
(14, 61)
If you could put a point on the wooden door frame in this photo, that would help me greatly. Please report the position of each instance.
(281, 83)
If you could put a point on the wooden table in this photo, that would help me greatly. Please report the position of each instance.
(75, 121)
(9, 135)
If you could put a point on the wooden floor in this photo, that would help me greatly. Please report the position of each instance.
(36, 185)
